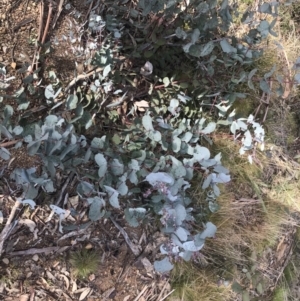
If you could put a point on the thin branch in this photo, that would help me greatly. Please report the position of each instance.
(59, 10)
(9, 143)
(9, 225)
(134, 248)
(82, 76)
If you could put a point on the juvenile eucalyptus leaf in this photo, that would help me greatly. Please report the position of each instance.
(180, 214)
(112, 196)
(155, 178)
(176, 144)
(236, 287)
(8, 111)
(174, 103)
(187, 137)
(216, 190)
(4, 153)
(72, 101)
(33, 147)
(17, 130)
(117, 167)
(209, 128)
(106, 70)
(166, 81)
(102, 163)
(209, 231)
(5, 132)
(51, 120)
(201, 153)
(95, 212)
(147, 123)
(49, 92)
(226, 47)
(49, 186)
(207, 181)
(221, 169)
(85, 188)
(134, 216)
(98, 142)
(181, 233)
(191, 246)
(186, 255)
(163, 266)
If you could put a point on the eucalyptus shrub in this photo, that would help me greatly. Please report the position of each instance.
(145, 171)
(164, 154)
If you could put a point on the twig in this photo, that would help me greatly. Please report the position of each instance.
(141, 293)
(74, 233)
(39, 35)
(39, 251)
(163, 289)
(8, 226)
(134, 248)
(9, 143)
(89, 10)
(82, 76)
(48, 22)
(59, 10)
(171, 292)
(64, 188)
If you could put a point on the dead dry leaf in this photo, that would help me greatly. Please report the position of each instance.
(66, 280)
(29, 223)
(74, 286)
(85, 293)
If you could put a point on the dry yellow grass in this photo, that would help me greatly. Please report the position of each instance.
(256, 205)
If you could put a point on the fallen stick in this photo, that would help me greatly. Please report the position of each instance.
(134, 248)
(82, 76)
(39, 251)
(59, 10)
(9, 225)
(59, 199)
(9, 143)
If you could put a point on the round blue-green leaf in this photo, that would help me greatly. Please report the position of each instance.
(49, 92)
(102, 163)
(147, 123)
(72, 101)
(163, 266)
(176, 144)
(187, 137)
(181, 233)
(4, 153)
(33, 147)
(112, 196)
(117, 167)
(51, 120)
(226, 47)
(209, 231)
(95, 212)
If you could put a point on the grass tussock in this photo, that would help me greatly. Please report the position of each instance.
(84, 263)
(256, 206)
(192, 283)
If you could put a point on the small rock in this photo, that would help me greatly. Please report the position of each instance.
(35, 257)
(5, 260)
